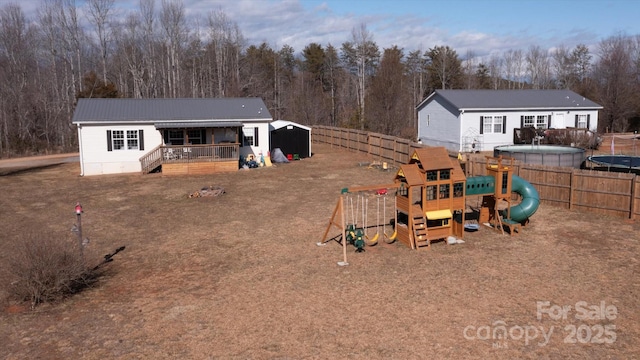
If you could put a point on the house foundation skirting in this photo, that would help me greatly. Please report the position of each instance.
(199, 168)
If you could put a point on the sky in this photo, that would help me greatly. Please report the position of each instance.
(482, 27)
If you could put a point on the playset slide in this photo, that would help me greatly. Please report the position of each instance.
(530, 199)
(485, 185)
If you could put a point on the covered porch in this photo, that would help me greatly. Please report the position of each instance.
(195, 148)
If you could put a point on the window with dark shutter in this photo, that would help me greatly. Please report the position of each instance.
(576, 124)
(255, 137)
(481, 124)
(109, 144)
(588, 121)
(141, 138)
(521, 121)
(504, 124)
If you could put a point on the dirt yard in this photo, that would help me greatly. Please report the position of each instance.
(239, 276)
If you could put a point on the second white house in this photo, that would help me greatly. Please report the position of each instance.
(478, 120)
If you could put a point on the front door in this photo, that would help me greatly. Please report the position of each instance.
(557, 122)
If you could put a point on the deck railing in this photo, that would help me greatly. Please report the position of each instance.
(165, 154)
(199, 153)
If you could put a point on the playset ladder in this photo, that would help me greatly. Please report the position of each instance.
(419, 224)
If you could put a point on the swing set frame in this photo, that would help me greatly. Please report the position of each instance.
(339, 220)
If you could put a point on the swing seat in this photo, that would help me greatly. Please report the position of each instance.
(391, 238)
(373, 240)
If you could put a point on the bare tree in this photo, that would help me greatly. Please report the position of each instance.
(495, 70)
(18, 60)
(613, 71)
(536, 66)
(173, 21)
(416, 66)
(226, 40)
(128, 56)
(99, 12)
(470, 65)
(362, 54)
(563, 66)
(151, 66)
(514, 68)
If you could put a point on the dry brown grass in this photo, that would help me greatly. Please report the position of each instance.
(239, 276)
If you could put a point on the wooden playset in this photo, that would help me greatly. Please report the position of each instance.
(430, 202)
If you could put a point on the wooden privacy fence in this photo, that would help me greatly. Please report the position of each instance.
(381, 147)
(599, 192)
(607, 193)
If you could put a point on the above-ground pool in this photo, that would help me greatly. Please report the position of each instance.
(550, 155)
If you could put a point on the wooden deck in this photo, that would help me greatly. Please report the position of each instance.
(192, 159)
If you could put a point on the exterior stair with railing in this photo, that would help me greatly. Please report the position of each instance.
(151, 160)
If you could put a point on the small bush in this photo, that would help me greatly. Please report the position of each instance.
(44, 268)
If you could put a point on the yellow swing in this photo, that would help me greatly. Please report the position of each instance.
(390, 239)
(370, 241)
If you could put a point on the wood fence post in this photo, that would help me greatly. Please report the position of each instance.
(572, 184)
(331, 137)
(395, 148)
(632, 206)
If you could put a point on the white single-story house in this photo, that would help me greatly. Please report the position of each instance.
(479, 120)
(178, 136)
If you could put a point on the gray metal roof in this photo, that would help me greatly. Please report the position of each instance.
(169, 110)
(513, 99)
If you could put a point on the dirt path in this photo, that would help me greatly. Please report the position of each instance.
(9, 166)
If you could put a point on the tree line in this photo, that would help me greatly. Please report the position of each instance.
(50, 60)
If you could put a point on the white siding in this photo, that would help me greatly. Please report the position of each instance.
(442, 124)
(438, 125)
(263, 139)
(486, 141)
(97, 160)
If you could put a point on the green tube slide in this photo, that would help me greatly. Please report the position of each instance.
(485, 185)
(530, 199)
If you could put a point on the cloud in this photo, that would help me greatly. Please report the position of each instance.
(297, 24)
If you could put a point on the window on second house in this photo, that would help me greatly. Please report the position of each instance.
(582, 121)
(493, 124)
(541, 122)
(528, 121)
(535, 121)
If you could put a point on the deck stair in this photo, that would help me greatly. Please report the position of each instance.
(151, 160)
